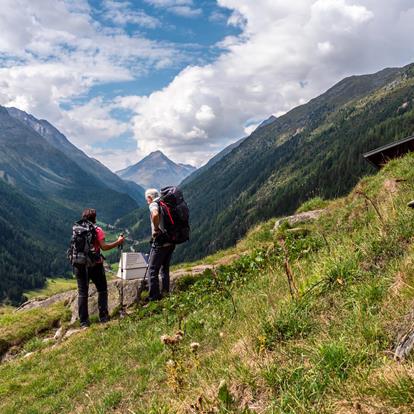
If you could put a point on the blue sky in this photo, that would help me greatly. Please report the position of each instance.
(122, 78)
(195, 31)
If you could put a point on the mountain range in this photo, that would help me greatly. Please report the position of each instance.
(45, 182)
(313, 150)
(156, 170)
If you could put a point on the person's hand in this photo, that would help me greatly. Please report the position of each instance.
(156, 233)
(121, 239)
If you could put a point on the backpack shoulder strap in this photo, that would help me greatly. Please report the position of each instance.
(165, 207)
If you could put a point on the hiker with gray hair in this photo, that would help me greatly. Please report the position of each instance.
(161, 249)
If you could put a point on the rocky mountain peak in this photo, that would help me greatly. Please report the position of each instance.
(156, 170)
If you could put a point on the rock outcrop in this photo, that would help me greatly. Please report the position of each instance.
(299, 218)
(131, 293)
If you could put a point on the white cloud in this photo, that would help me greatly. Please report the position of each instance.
(184, 8)
(117, 159)
(237, 19)
(56, 40)
(217, 17)
(55, 51)
(325, 47)
(185, 11)
(120, 12)
(92, 123)
(169, 3)
(205, 114)
(288, 53)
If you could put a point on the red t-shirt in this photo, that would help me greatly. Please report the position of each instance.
(100, 235)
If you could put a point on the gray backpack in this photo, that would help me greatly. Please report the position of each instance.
(81, 250)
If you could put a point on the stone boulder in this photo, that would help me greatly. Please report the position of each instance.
(132, 293)
(405, 346)
(66, 297)
(299, 218)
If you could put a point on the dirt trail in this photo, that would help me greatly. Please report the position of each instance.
(198, 269)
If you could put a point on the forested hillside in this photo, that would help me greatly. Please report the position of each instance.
(42, 192)
(313, 150)
(33, 239)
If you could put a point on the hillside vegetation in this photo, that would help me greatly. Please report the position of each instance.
(249, 344)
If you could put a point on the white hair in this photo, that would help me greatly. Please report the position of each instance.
(152, 192)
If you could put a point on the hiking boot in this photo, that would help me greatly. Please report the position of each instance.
(411, 204)
(104, 319)
(85, 324)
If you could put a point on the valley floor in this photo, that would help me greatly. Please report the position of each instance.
(238, 338)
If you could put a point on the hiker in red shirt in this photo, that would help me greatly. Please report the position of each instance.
(94, 272)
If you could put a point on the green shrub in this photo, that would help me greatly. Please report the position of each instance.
(315, 203)
(294, 321)
(341, 272)
(184, 282)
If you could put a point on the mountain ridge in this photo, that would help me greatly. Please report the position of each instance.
(156, 170)
(91, 165)
(235, 193)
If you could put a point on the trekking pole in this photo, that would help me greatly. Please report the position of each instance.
(146, 270)
(121, 263)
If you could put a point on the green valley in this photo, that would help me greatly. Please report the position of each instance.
(42, 192)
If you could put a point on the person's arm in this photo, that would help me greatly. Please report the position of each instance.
(109, 246)
(155, 218)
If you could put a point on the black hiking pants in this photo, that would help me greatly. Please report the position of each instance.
(97, 275)
(159, 261)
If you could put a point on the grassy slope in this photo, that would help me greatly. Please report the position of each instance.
(328, 350)
(18, 327)
(52, 287)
